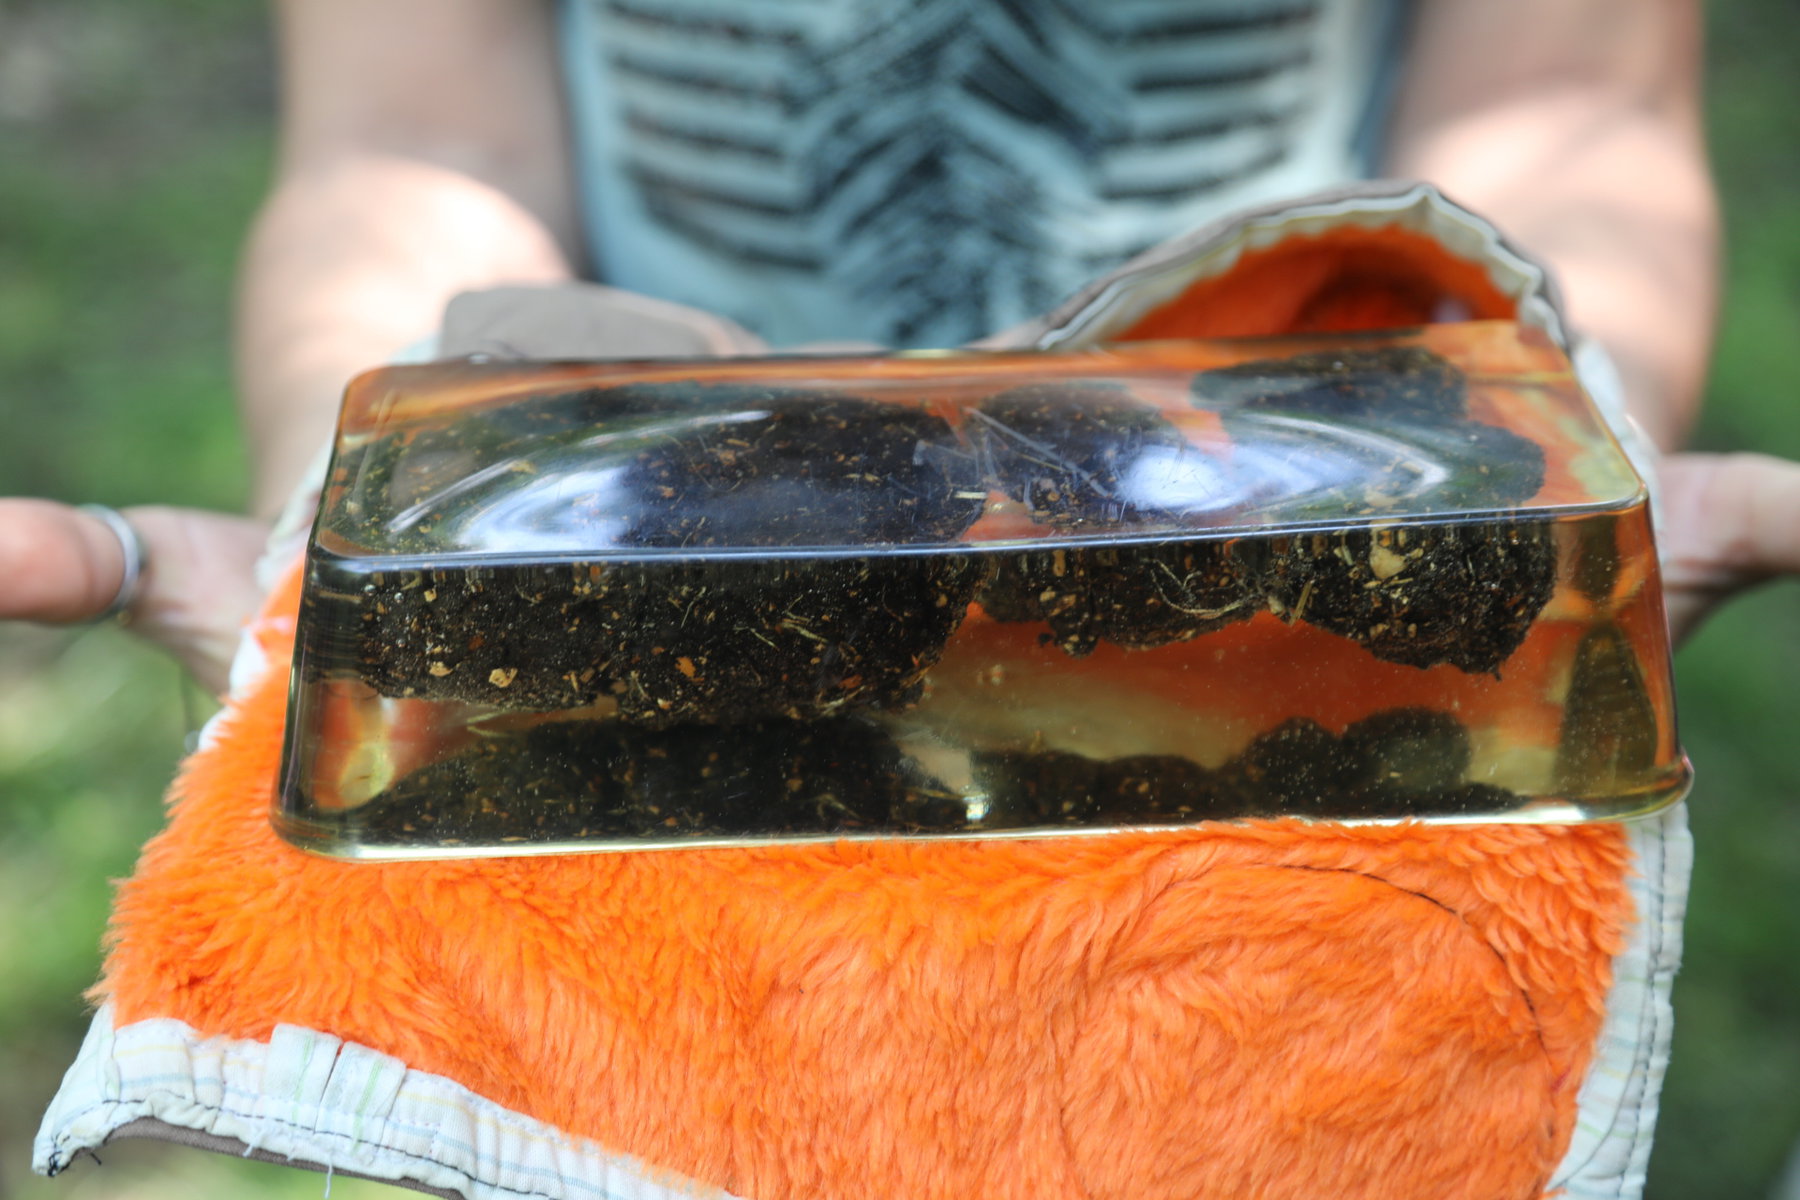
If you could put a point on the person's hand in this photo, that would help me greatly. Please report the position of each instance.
(1730, 521)
(64, 566)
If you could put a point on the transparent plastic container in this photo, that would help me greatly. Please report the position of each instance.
(589, 606)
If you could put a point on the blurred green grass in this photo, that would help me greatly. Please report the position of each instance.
(133, 145)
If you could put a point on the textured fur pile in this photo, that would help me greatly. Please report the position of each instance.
(1263, 1010)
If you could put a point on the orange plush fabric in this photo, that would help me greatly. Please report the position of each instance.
(1266, 1010)
(1346, 279)
(1259, 1010)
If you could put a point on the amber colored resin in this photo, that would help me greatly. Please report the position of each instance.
(562, 607)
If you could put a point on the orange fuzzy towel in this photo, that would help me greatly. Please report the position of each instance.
(1266, 1010)
(1258, 1010)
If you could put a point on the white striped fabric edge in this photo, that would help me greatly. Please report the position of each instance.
(312, 1098)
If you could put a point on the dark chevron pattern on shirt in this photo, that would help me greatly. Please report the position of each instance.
(947, 165)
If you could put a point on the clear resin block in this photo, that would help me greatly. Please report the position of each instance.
(587, 606)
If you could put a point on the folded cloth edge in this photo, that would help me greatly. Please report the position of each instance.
(305, 1098)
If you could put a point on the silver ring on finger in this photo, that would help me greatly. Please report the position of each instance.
(137, 558)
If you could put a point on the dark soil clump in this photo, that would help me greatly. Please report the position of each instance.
(809, 470)
(525, 638)
(1067, 451)
(1609, 726)
(1399, 762)
(1027, 789)
(722, 642)
(1295, 769)
(1421, 595)
(1405, 751)
(1133, 596)
(721, 639)
(1409, 382)
(1034, 789)
(596, 780)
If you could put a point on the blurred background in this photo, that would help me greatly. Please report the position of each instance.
(134, 141)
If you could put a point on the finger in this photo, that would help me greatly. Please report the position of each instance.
(1733, 521)
(199, 585)
(60, 565)
(57, 563)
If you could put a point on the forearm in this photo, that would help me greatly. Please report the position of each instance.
(422, 154)
(1621, 207)
(350, 261)
(1574, 125)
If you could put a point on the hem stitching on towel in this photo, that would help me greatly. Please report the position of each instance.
(63, 1140)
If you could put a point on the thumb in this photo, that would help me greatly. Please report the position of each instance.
(61, 565)
(1733, 520)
